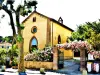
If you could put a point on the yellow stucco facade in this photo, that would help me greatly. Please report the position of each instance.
(49, 31)
(59, 30)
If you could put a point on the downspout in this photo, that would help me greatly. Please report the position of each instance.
(52, 33)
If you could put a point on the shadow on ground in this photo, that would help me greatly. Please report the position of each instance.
(71, 67)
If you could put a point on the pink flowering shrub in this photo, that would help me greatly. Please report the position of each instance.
(76, 45)
(40, 55)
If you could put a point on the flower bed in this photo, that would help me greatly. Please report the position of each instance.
(40, 55)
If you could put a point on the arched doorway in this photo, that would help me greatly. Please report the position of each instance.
(33, 44)
(59, 39)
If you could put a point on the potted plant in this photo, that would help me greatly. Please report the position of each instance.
(3, 67)
(42, 70)
(2, 62)
(22, 72)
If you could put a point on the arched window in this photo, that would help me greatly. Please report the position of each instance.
(33, 44)
(34, 41)
(59, 39)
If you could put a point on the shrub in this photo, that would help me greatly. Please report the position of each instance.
(14, 62)
(2, 56)
(13, 52)
(40, 55)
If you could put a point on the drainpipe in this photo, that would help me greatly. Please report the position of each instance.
(52, 33)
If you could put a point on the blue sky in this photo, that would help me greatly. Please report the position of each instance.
(73, 12)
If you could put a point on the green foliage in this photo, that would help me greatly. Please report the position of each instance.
(88, 32)
(13, 52)
(95, 41)
(95, 26)
(95, 37)
(22, 26)
(82, 33)
(2, 56)
(7, 39)
(19, 38)
(24, 10)
(15, 46)
(34, 49)
(14, 62)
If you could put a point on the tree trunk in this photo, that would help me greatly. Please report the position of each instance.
(21, 57)
(21, 67)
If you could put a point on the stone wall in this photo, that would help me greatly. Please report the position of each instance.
(37, 65)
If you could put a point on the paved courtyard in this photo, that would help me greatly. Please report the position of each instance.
(70, 68)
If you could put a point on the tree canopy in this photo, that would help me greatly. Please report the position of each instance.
(9, 39)
(90, 32)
